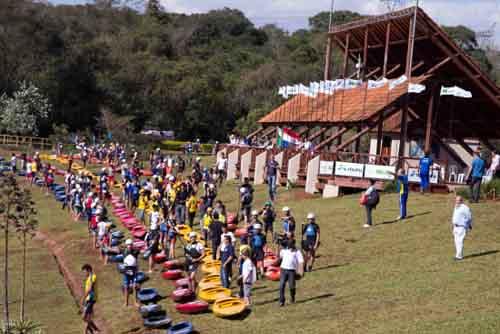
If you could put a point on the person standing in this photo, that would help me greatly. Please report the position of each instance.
(89, 298)
(226, 257)
(248, 276)
(495, 164)
(476, 173)
(425, 168)
(215, 234)
(310, 240)
(372, 198)
(403, 190)
(292, 263)
(180, 204)
(271, 170)
(221, 168)
(194, 252)
(462, 223)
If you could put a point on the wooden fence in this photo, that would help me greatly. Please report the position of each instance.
(34, 142)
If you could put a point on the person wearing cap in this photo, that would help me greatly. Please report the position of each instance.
(194, 252)
(153, 241)
(215, 233)
(221, 168)
(246, 198)
(288, 221)
(130, 277)
(268, 216)
(271, 171)
(258, 242)
(310, 240)
(192, 207)
(206, 221)
(476, 176)
(292, 263)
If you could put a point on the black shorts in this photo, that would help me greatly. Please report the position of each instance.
(308, 244)
(192, 267)
(258, 254)
(268, 227)
(88, 308)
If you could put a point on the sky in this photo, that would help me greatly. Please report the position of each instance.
(293, 14)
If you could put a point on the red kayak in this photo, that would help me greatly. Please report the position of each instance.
(180, 295)
(231, 218)
(139, 244)
(232, 227)
(132, 225)
(193, 307)
(139, 234)
(172, 264)
(273, 273)
(146, 172)
(160, 257)
(119, 205)
(182, 283)
(172, 274)
(241, 232)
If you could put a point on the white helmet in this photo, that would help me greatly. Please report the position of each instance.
(192, 234)
(211, 186)
(130, 261)
(198, 158)
(172, 178)
(311, 215)
(255, 213)
(128, 242)
(242, 190)
(285, 209)
(257, 226)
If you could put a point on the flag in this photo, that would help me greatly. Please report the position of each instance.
(288, 138)
(397, 82)
(416, 88)
(456, 91)
(372, 84)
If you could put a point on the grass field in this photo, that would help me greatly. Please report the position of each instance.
(394, 278)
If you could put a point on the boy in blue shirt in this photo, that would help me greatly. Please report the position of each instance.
(477, 173)
(425, 170)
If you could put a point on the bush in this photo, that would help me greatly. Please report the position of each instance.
(177, 145)
(493, 185)
(464, 192)
(391, 187)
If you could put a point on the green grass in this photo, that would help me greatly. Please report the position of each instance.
(393, 278)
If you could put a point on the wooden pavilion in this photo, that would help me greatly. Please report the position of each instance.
(407, 42)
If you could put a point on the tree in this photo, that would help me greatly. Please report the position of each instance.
(23, 327)
(26, 226)
(10, 195)
(320, 21)
(21, 114)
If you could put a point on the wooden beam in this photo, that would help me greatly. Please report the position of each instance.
(317, 134)
(380, 129)
(408, 49)
(465, 146)
(394, 69)
(403, 130)
(330, 139)
(417, 66)
(386, 50)
(255, 133)
(371, 73)
(428, 126)
(438, 65)
(346, 55)
(469, 73)
(365, 54)
(328, 58)
(393, 43)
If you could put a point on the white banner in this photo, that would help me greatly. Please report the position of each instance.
(326, 167)
(416, 88)
(379, 172)
(397, 82)
(349, 169)
(414, 176)
(372, 84)
(456, 91)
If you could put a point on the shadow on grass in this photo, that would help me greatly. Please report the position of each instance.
(326, 295)
(407, 218)
(331, 266)
(481, 254)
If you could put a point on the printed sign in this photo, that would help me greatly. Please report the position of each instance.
(349, 169)
(379, 172)
(414, 176)
(326, 167)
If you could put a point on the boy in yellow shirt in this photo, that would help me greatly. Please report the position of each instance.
(141, 206)
(206, 221)
(192, 207)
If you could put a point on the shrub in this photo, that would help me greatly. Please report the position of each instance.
(464, 192)
(391, 187)
(177, 145)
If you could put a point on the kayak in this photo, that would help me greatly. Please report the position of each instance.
(211, 267)
(210, 281)
(193, 307)
(211, 294)
(172, 264)
(184, 230)
(147, 310)
(231, 218)
(273, 273)
(160, 321)
(147, 295)
(181, 295)
(240, 232)
(183, 327)
(160, 257)
(182, 283)
(228, 307)
(271, 261)
(172, 274)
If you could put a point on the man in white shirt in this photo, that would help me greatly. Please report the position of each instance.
(292, 263)
(221, 168)
(461, 222)
(248, 276)
(495, 164)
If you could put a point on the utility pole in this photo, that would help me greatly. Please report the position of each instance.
(328, 56)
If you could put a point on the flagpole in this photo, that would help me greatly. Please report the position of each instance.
(328, 54)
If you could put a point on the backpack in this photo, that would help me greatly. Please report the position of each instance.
(257, 241)
(310, 230)
(373, 199)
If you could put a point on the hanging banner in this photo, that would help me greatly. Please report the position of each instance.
(379, 172)
(326, 167)
(456, 91)
(282, 92)
(349, 169)
(372, 84)
(397, 82)
(416, 88)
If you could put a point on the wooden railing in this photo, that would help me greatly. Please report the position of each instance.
(34, 142)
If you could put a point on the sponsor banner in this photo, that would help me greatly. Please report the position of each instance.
(456, 91)
(414, 176)
(326, 167)
(379, 172)
(349, 169)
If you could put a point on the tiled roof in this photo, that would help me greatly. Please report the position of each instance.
(344, 106)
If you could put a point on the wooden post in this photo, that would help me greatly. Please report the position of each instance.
(357, 143)
(386, 50)
(404, 135)
(428, 127)
(346, 55)
(380, 128)
(328, 58)
(365, 54)
(408, 49)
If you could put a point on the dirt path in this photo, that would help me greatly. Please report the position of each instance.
(71, 279)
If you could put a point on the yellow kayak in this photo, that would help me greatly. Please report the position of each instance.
(184, 230)
(211, 294)
(227, 307)
(210, 281)
(211, 268)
